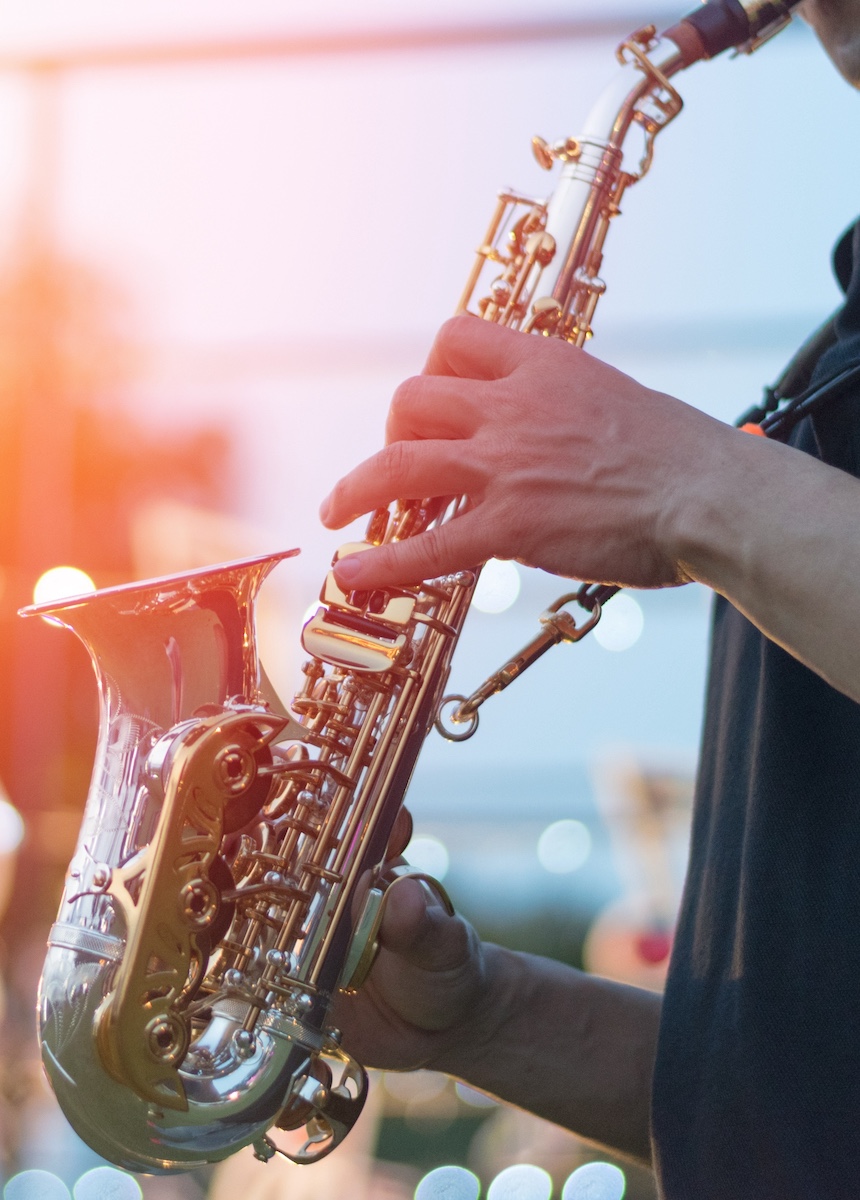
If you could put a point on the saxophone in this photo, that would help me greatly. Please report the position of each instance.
(229, 877)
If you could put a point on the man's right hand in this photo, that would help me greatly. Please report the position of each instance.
(569, 1047)
(426, 988)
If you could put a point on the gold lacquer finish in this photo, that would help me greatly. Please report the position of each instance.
(143, 1029)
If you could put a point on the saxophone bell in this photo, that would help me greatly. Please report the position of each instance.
(151, 1030)
(207, 920)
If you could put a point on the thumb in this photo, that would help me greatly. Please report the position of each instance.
(470, 348)
(419, 927)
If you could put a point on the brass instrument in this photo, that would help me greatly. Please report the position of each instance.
(228, 877)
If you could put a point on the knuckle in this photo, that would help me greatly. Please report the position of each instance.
(437, 550)
(506, 461)
(384, 558)
(405, 399)
(339, 497)
(396, 463)
(453, 334)
(453, 328)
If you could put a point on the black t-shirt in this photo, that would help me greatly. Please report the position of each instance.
(757, 1081)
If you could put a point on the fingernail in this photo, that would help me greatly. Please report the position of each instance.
(348, 570)
(324, 507)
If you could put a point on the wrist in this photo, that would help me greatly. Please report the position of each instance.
(711, 524)
(474, 1040)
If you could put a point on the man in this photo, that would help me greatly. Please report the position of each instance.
(744, 1081)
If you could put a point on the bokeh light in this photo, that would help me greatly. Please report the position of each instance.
(11, 828)
(473, 1097)
(61, 582)
(595, 1181)
(428, 854)
(409, 1086)
(107, 1183)
(564, 846)
(621, 623)
(35, 1185)
(521, 1182)
(498, 587)
(448, 1183)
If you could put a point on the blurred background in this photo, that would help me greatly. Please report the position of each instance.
(226, 233)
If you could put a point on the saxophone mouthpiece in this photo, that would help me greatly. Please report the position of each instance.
(720, 25)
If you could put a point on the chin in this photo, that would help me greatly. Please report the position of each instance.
(847, 63)
(837, 26)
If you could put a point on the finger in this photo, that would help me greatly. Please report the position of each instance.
(412, 908)
(402, 471)
(401, 834)
(417, 926)
(474, 349)
(435, 407)
(459, 544)
(405, 914)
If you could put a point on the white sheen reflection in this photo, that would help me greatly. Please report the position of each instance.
(448, 1183)
(35, 1185)
(107, 1183)
(621, 623)
(428, 854)
(595, 1181)
(521, 1182)
(61, 582)
(310, 611)
(564, 846)
(498, 587)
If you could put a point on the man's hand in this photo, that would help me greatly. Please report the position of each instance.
(567, 464)
(569, 1047)
(424, 989)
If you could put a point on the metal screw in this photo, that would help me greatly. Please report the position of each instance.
(245, 1042)
(234, 769)
(162, 1039)
(101, 876)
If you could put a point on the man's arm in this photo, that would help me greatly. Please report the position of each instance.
(573, 1048)
(574, 467)
(570, 1047)
(783, 544)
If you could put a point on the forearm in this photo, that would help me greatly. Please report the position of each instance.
(570, 1047)
(778, 533)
